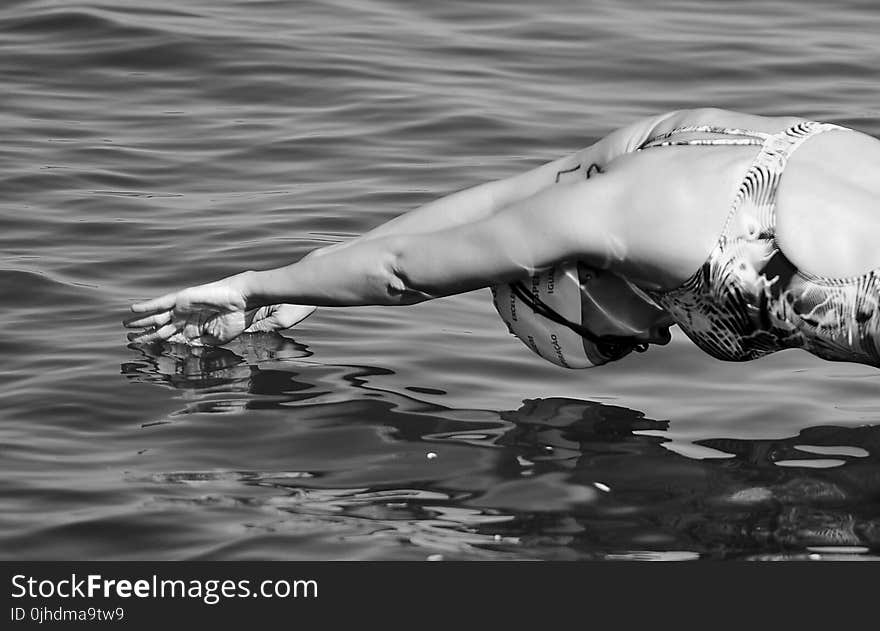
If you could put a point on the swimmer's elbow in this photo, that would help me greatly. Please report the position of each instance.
(398, 286)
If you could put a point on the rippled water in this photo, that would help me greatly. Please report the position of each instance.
(149, 146)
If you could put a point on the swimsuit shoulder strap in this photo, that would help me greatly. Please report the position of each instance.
(741, 137)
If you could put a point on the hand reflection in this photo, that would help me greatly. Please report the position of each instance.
(195, 367)
(203, 372)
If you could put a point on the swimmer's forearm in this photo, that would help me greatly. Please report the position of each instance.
(362, 274)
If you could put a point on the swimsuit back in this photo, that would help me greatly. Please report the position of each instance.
(748, 299)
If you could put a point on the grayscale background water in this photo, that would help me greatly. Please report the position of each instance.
(148, 146)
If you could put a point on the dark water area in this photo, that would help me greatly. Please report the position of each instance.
(149, 147)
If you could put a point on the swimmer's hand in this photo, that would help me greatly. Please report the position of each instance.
(208, 315)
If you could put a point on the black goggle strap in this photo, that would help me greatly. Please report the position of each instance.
(610, 345)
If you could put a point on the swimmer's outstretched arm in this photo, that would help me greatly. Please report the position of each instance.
(475, 204)
(403, 269)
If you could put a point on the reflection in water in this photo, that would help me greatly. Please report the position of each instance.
(557, 478)
(204, 371)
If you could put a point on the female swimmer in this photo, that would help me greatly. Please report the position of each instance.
(753, 234)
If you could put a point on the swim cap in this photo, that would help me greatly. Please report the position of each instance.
(553, 311)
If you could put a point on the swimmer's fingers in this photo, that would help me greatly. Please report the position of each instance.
(162, 303)
(162, 333)
(176, 335)
(155, 320)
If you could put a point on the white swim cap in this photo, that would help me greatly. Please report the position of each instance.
(552, 311)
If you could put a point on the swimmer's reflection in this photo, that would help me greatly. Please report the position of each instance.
(819, 488)
(205, 371)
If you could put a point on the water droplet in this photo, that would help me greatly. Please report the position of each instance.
(431, 455)
(602, 487)
(548, 448)
(435, 557)
(497, 537)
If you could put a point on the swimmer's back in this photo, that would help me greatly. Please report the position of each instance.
(828, 205)
(828, 201)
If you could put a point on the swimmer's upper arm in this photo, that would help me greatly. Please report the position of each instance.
(483, 200)
(562, 222)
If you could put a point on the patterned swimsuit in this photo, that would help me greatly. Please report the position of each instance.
(747, 299)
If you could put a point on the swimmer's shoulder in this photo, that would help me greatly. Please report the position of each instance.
(718, 117)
